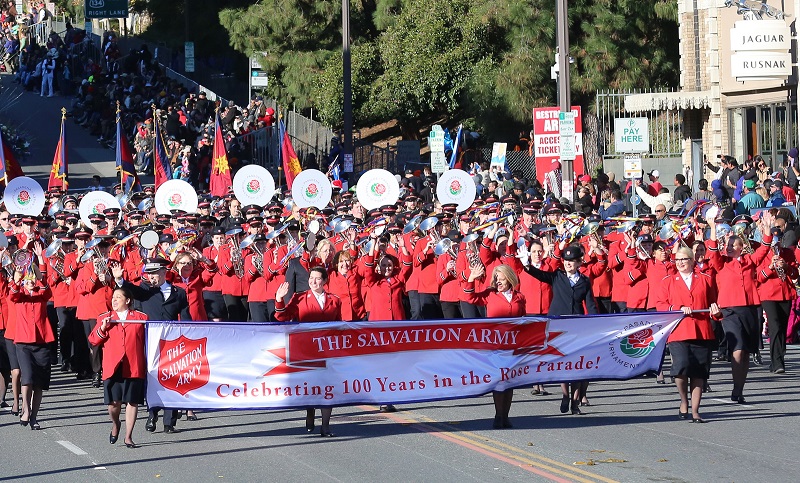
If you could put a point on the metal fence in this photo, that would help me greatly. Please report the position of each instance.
(666, 127)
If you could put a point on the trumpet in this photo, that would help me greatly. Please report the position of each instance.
(494, 220)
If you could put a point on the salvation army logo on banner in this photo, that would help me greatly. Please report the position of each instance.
(183, 364)
(638, 344)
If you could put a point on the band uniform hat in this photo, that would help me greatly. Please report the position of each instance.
(572, 253)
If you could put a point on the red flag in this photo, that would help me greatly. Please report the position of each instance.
(9, 166)
(162, 169)
(220, 180)
(291, 164)
(60, 169)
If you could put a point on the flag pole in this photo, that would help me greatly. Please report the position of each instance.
(65, 179)
(121, 182)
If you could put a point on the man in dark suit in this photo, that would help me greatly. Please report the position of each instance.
(160, 300)
(297, 277)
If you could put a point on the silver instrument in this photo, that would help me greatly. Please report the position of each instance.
(54, 252)
(446, 245)
(428, 227)
(776, 249)
(739, 230)
(236, 252)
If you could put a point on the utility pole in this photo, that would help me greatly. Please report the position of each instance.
(347, 108)
(564, 102)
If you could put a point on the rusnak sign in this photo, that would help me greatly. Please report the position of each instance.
(106, 8)
(760, 50)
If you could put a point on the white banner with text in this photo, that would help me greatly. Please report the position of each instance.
(209, 365)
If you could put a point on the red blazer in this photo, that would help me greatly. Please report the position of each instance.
(63, 294)
(212, 253)
(538, 295)
(94, 296)
(198, 280)
(385, 295)
(348, 289)
(231, 284)
(303, 307)
(616, 263)
(30, 309)
(770, 285)
(425, 268)
(259, 282)
(123, 345)
(736, 278)
(673, 294)
(449, 284)
(496, 304)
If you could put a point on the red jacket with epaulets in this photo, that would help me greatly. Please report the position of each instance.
(449, 284)
(348, 289)
(386, 295)
(736, 278)
(636, 279)
(495, 302)
(5, 306)
(30, 310)
(63, 294)
(770, 285)
(303, 307)
(538, 295)
(198, 280)
(259, 282)
(212, 253)
(123, 345)
(94, 295)
(231, 283)
(617, 254)
(425, 267)
(411, 240)
(673, 294)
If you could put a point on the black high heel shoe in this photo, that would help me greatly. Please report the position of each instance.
(576, 409)
(131, 445)
(565, 404)
(325, 433)
(35, 425)
(683, 415)
(112, 439)
(310, 424)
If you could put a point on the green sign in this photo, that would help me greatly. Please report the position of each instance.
(106, 8)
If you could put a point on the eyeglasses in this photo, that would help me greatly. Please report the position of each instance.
(660, 211)
(682, 259)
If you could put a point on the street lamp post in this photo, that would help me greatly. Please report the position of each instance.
(564, 104)
(347, 107)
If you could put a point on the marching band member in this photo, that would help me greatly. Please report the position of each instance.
(738, 297)
(693, 340)
(256, 269)
(345, 281)
(124, 362)
(32, 336)
(385, 281)
(231, 268)
(315, 305)
(776, 291)
(502, 299)
(212, 294)
(192, 272)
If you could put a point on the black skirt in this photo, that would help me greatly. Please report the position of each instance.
(34, 365)
(692, 358)
(5, 365)
(215, 305)
(11, 351)
(121, 389)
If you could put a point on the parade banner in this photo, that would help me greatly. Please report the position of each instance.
(210, 365)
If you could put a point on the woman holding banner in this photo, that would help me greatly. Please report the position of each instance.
(501, 299)
(124, 361)
(314, 305)
(693, 340)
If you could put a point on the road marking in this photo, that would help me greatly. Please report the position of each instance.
(72, 448)
(541, 466)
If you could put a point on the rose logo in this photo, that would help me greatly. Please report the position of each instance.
(638, 344)
(175, 200)
(23, 198)
(99, 208)
(253, 186)
(378, 188)
(455, 188)
(312, 191)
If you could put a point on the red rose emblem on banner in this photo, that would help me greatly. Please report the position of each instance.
(99, 208)
(312, 190)
(253, 186)
(638, 344)
(455, 187)
(183, 364)
(175, 200)
(379, 189)
(23, 198)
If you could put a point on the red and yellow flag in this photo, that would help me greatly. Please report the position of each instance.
(291, 165)
(220, 180)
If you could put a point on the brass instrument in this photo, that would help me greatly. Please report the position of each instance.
(258, 258)
(236, 252)
(473, 258)
(428, 227)
(54, 252)
(739, 230)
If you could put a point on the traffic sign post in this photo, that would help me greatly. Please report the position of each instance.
(436, 144)
(566, 130)
(632, 165)
(188, 49)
